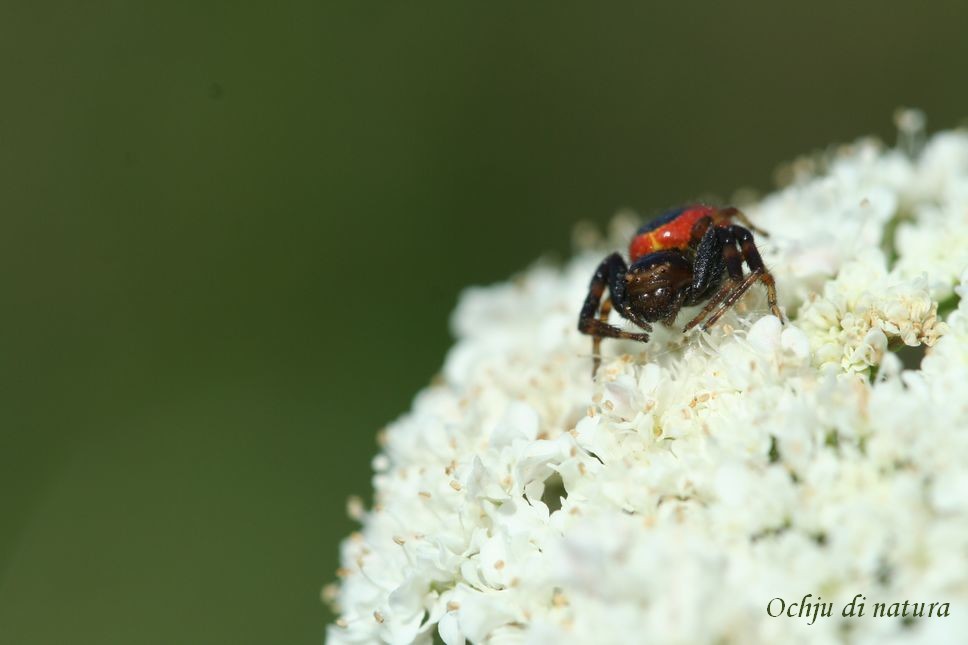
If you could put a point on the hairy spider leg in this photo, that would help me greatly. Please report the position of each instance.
(758, 272)
(733, 296)
(603, 313)
(755, 263)
(726, 247)
(610, 273)
(732, 211)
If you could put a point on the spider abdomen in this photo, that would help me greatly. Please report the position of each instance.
(671, 230)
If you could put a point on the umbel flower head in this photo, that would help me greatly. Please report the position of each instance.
(702, 484)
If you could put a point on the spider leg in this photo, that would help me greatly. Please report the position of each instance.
(716, 241)
(734, 295)
(597, 340)
(699, 229)
(753, 260)
(732, 211)
(758, 273)
(720, 295)
(594, 314)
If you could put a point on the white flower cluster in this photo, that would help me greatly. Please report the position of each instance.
(698, 477)
(862, 307)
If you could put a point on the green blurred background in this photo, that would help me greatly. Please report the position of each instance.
(232, 235)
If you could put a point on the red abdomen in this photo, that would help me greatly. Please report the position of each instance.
(672, 230)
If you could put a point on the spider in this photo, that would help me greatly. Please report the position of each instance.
(681, 258)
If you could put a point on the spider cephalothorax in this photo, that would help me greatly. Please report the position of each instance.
(681, 258)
